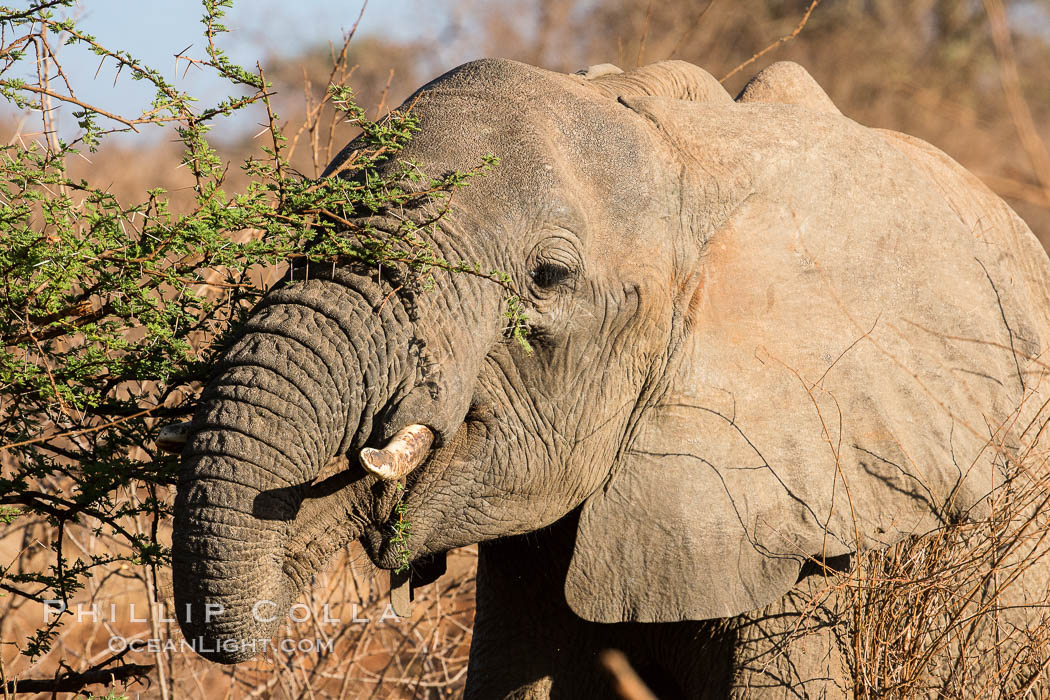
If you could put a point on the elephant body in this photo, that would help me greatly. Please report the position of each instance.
(766, 339)
(530, 644)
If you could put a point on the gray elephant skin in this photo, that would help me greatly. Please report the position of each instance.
(764, 337)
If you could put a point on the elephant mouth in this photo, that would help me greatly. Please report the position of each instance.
(398, 537)
(385, 542)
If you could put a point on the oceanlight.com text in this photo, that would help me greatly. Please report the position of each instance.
(199, 645)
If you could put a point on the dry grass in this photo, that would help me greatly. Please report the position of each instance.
(345, 643)
(365, 655)
(959, 613)
(962, 612)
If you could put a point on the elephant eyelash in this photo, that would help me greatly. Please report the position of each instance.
(547, 275)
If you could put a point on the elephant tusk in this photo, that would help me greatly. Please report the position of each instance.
(171, 438)
(402, 454)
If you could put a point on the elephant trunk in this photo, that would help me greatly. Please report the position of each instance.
(288, 396)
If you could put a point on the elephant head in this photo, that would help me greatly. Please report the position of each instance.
(763, 335)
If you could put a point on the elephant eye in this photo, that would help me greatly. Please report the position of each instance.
(550, 274)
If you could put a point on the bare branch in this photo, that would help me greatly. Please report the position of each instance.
(782, 40)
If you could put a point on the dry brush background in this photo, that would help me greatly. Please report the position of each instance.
(967, 76)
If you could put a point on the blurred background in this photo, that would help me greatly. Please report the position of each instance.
(969, 76)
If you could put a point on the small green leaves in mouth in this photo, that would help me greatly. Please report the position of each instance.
(402, 528)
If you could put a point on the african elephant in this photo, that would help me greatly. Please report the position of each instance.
(764, 337)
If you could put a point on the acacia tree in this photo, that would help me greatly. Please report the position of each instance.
(111, 311)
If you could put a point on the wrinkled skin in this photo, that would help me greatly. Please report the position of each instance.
(765, 337)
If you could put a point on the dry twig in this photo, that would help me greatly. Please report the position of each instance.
(782, 40)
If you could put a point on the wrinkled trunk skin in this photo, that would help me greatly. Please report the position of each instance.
(288, 396)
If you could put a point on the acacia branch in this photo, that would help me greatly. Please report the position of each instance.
(19, 592)
(84, 105)
(73, 682)
(35, 500)
(26, 14)
(83, 431)
(82, 319)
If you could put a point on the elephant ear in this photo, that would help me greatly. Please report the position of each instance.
(850, 356)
